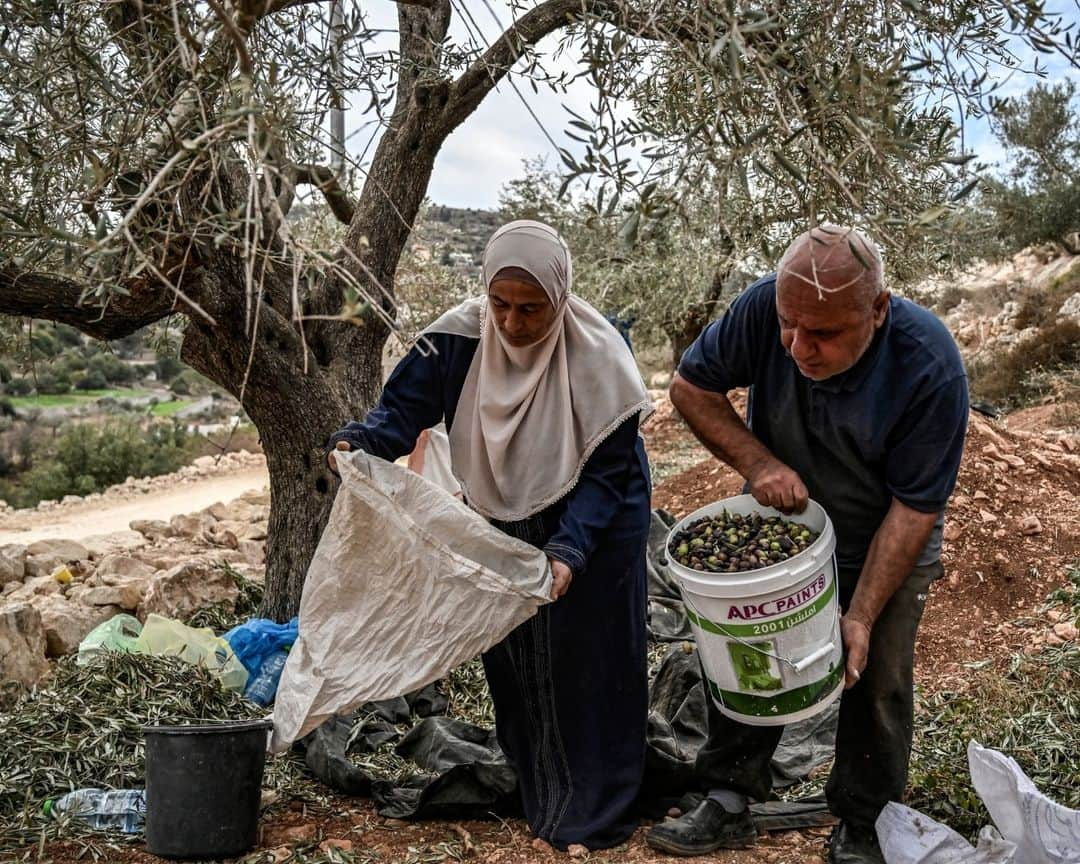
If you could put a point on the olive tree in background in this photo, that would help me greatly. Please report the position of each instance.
(150, 153)
(1039, 200)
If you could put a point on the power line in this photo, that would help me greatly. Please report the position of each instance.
(505, 35)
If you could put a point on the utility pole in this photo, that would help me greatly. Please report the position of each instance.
(337, 110)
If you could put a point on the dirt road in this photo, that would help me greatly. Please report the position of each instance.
(85, 519)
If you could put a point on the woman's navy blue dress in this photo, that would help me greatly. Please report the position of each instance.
(569, 685)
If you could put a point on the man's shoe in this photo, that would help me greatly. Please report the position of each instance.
(704, 829)
(851, 844)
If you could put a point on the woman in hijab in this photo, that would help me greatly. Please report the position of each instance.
(542, 400)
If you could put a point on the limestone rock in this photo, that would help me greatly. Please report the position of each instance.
(1071, 307)
(12, 563)
(219, 535)
(22, 644)
(1066, 631)
(152, 529)
(65, 550)
(101, 545)
(193, 525)
(260, 497)
(1031, 525)
(35, 586)
(41, 565)
(186, 588)
(66, 623)
(242, 530)
(118, 568)
(254, 552)
(120, 580)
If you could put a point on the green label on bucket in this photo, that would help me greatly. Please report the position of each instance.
(754, 665)
(764, 628)
(783, 703)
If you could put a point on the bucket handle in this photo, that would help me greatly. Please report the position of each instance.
(796, 665)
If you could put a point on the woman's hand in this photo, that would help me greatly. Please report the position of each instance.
(330, 460)
(561, 576)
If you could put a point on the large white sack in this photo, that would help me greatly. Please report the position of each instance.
(431, 459)
(406, 583)
(1044, 832)
(1033, 829)
(908, 837)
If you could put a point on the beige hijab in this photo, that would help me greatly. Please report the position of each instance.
(529, 418)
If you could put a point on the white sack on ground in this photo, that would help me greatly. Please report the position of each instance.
(1033, 829)
(1044, 832)
(909, 837)
(406, 583)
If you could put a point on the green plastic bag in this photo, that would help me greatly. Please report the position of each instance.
(197, 645)
(119, 633)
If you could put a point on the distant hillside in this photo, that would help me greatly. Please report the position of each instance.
(453, 236)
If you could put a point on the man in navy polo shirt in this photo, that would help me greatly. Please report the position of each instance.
(858, 400)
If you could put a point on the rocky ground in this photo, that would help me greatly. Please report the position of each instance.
(54, 591)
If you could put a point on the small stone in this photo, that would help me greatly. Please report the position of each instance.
(1054, 639)
(1031, 525)
(1066, 631)
(952, 532)
(987, 517)
(576, 850)
(541, 845)
(980, 496)
(1054, 615)
(674, 813)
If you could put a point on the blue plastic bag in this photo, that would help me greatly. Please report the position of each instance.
(256, 641)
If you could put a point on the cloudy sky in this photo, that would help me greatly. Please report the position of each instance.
(488, 149)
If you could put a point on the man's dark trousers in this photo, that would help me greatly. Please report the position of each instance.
(873, 738)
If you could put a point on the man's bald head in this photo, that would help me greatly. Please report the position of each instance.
(834, 260)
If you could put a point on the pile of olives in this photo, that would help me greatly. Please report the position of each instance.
(730, 543)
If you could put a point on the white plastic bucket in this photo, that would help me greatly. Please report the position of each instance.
(769, 638)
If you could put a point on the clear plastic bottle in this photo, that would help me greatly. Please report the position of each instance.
(262, 686)
(118, 809)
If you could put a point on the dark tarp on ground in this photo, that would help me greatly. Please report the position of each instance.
(463, 774)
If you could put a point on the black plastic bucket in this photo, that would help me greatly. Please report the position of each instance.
(203, 786)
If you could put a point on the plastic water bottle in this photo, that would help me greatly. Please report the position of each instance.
(262, 686)
(123, 809)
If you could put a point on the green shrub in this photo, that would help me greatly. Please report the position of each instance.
(168, 367)
(86, 458)
(52, 383)
(112, 368)
(180, 385)
(92, 380)
(1008, 377)
(71, 361)
(43, 343)
(5, 374)
(18, 387)
(68, 335)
